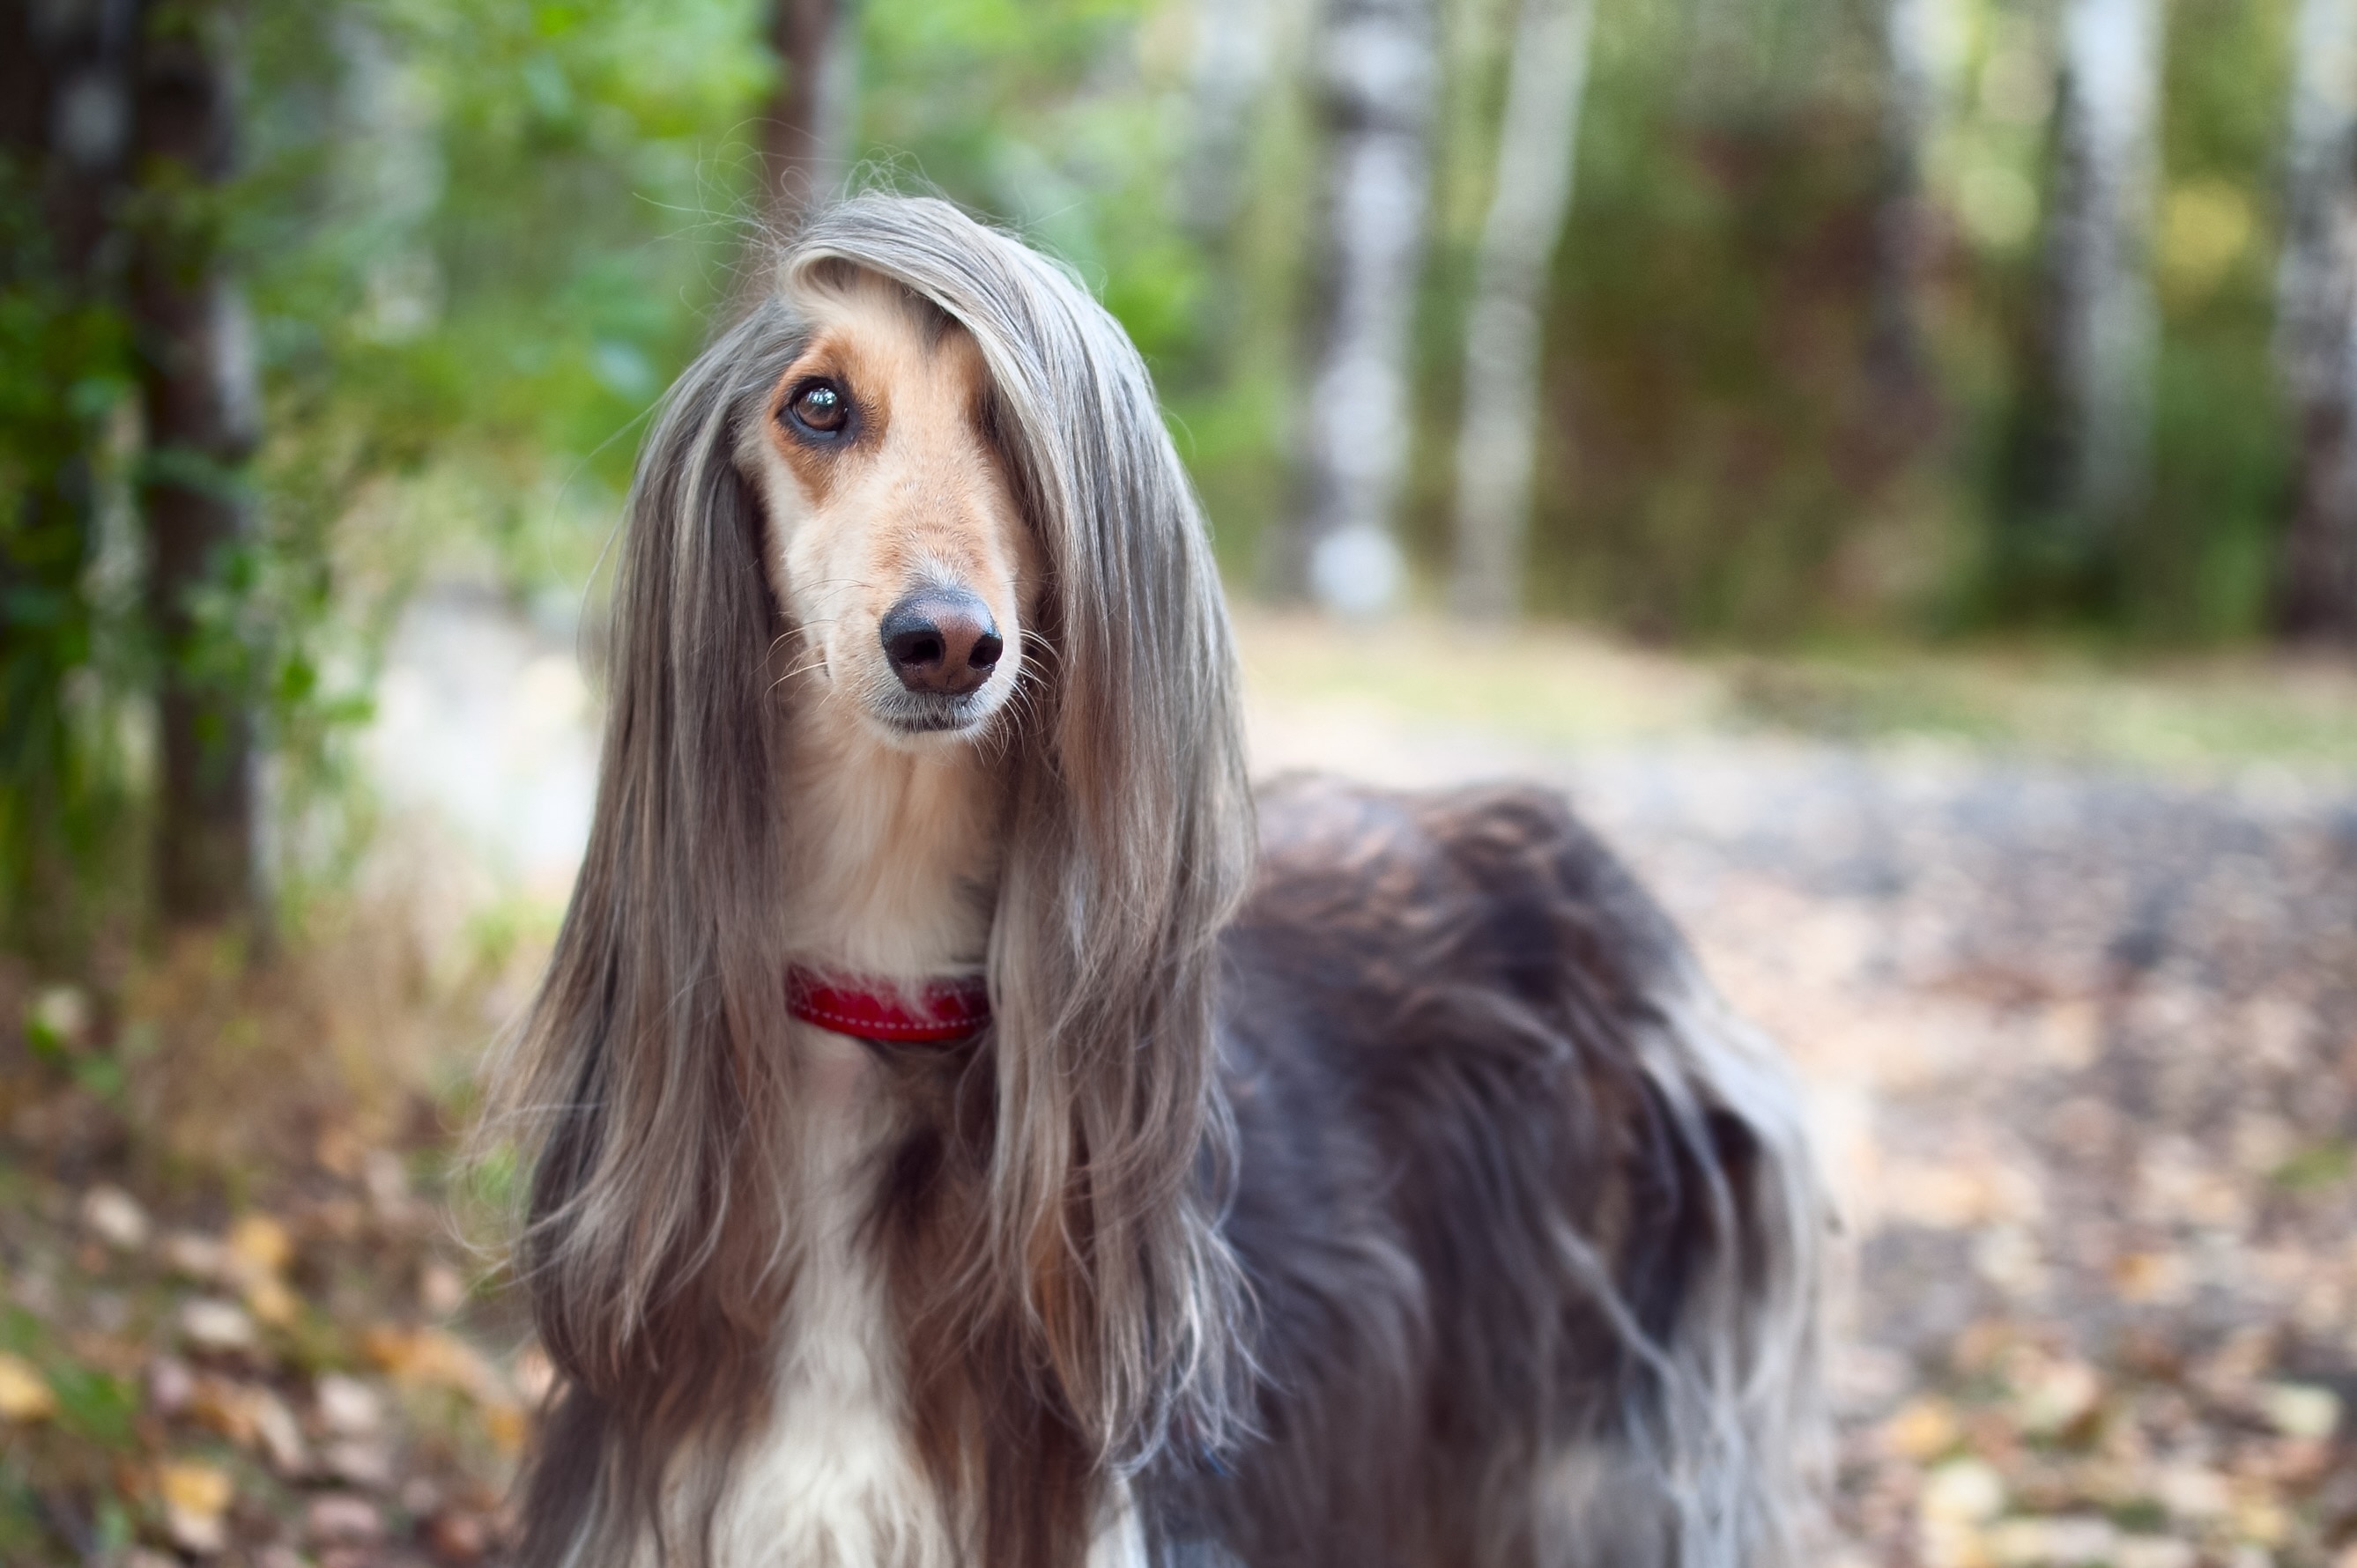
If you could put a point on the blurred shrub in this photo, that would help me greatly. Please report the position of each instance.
(65, 778)
(1721, 459)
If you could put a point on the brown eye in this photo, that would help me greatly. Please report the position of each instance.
(819, 409)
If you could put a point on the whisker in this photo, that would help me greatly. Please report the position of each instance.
(817, 662)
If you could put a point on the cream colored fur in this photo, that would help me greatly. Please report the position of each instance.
(892, 843)
(831, 1481)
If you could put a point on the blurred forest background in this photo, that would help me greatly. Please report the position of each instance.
(1714, 321)
(1672, 374)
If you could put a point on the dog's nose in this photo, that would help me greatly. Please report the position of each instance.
(940, 639)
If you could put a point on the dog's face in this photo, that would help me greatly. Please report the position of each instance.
(894, 542)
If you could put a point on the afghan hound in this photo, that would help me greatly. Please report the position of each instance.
(958, 1135)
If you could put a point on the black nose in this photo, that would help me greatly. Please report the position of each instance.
(940, 639)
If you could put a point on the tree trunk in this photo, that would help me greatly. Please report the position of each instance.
(2316, 325)
(2104, 335)
(1375, 64)
(1231, 49)
(805, 138)
(65, 80)
(1505, 331)
(1917, 46)
(65, 124)
(197, 387)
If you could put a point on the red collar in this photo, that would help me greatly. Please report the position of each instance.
(941, 1010)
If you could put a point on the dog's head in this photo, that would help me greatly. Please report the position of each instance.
(894, 540)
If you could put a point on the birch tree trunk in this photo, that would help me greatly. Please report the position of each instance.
(197, 389)
(1229, 67)
(1505, 331)
(1375, 64)
(2104, 334)
(2316, 324)
(805, 136)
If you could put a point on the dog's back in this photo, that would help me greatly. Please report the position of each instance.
(1527, 1218)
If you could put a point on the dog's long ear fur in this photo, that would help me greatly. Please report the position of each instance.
(1130, 846)
(648, 1080)
(647, 1077)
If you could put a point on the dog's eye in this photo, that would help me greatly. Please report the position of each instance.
(819, 409)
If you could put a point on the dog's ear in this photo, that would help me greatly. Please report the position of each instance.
(642, 1072)
(1131, 850)
(1129, 844)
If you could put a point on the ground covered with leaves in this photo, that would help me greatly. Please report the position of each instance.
(2079, 1030)
(240, 1321)
(2068, 965)
(2083, 1054)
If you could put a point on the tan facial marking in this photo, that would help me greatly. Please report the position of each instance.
(908, 509)
(833, 358)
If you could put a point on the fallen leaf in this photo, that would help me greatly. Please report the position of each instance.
(281, 1435)
(429, 1357)
(195, 1496)
(339, 1518)
(2301, 1410)
(386, 1181)
(440, 1290)
(2153, 1551)
(272, 1304)
(261, 1244)
(222, 1405)
(199, 1257)
(359, 1461)
(218, 1326)
(1964, 1491)
(24, 1394)
(338, 1150)
(347, 1406)
(114, 1217)
(507, 1429)
(2145, 1277)
(1923, 1429)
(2057, 1396)
(60, 1018)
(2071, 1539)
(2191, 1492)
(2259, 1518)
(534, 1374)
(456, 1537)
(170, 1385)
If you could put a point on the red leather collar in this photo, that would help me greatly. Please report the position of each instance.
(941, 1010)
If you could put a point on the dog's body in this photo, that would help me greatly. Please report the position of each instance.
(1500, 1146)
(1419, 1205)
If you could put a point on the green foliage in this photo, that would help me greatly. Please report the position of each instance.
(64, 775)
(1719, 459)
(478, 241)
(1717, 436)
(2203, 567)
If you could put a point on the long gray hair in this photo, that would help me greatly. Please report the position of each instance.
(649, 1077)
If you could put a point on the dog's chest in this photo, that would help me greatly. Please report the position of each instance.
(831, 1478)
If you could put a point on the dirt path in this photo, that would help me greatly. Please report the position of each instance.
(2081, 1046)
(2082, 1053)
